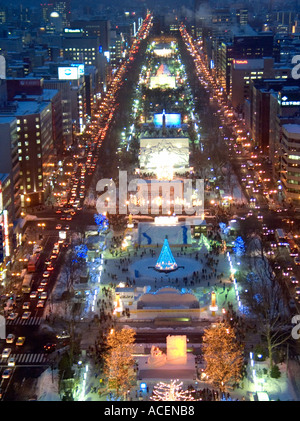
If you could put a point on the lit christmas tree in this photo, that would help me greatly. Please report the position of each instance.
(239, 247)
(166, 261)
(171, 392)
(204, 242)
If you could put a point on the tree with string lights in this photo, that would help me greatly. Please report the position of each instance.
(171, 392)
(118, 360)
(223, 356)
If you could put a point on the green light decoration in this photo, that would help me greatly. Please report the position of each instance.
(204, 242)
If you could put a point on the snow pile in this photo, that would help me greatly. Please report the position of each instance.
(47, 386)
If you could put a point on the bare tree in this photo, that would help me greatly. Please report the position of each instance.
(264, 297)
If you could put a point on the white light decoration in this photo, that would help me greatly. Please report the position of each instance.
(171, 392)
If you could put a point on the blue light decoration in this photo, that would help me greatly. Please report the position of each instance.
(113, 398)
(239, 247)
(102, 221)
(166, 261)
(143, 386)
(81, 251)
(224, 228)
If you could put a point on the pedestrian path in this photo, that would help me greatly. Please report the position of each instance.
(29, 322)
(30, 358)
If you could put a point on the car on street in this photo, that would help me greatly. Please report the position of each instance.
(10, 338)
(297, 260)
(26, 315)
(20, 341)
(6, 373)
(63, 335)
(40, 304)
(26, 306)
(33, 294)
(6, 353)
(18, 298)
(43, 295)
(294, 280)
(11, 361)
(49, 347)
(58, 226)
(46, 274)
(12, 316)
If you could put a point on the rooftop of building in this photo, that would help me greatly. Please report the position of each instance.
(47, 95)
(290, 88)
(4, 177)
(292, 128)
(243, 30)
(4, 119)
(30, 107)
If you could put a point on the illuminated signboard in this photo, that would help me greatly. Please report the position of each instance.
(107, 55)
(73, 31)
(289, 103)
(6, 233)
(80, 68)
(241, 61)
(172, 120)
(68, 73)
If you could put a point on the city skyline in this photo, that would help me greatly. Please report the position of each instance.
(149, 203)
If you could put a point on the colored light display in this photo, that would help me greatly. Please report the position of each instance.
(172, 120)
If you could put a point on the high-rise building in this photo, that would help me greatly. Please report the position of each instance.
(35, 150)
(95, 28)
(9, 158)
(245, 44)
(242, 16)
(62, 7)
